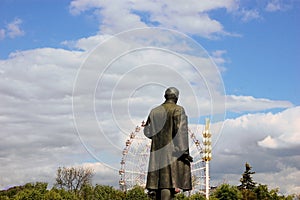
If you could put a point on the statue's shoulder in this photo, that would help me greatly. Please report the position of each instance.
(157, 109)
(179, 109)
(179, 106)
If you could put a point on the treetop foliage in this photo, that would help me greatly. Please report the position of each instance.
(82, 189)
(39, 191)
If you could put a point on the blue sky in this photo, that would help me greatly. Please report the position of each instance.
(47, 24)
(264, 60)
(255, 44)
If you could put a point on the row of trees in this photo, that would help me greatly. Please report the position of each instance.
(75, 184)
(39, 191)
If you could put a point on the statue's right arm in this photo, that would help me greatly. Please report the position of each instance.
(147, 129)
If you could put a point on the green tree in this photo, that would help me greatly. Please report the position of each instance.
(11, 192)
(181, 196)
(137, 192)
(28, 194)
(66, 195)
(227, 192)
(248, 194)
(197, 196)
(105, 192)
(262, 192)
(246, 180)
(32, 191)
(87, 192)
(275, 196)
(53, 195)
(2, 197)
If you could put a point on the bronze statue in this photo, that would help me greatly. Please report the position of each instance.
(169, 163)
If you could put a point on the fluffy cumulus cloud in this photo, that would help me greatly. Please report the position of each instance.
(191, 16)
(37, 129)
(269, 142)
(287, 134)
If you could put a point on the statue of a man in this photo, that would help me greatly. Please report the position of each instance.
(169, 163)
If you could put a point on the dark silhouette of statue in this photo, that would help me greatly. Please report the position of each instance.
(169, 163)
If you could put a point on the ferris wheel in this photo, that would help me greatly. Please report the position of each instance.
(135, 158)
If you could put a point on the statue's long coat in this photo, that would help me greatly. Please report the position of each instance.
(168, 168)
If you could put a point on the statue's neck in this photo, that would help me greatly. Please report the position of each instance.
(171, 101)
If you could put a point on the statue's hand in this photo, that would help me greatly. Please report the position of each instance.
(189, 158)
(184, 157)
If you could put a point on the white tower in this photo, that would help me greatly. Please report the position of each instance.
(207, 155)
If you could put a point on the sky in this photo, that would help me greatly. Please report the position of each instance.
(76, 77)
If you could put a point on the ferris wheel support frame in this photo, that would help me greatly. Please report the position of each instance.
(201, 149)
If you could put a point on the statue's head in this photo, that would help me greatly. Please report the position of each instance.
(172, 93)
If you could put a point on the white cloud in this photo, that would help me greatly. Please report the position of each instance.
(276, 5)
(283, 125)
(288, 136)
(241, 141)
(2, 34)
(269, 142)
(189, 16)
(273, 6)
(88, 43)
(286, 179)
(13, 29)
(36, 125)
(102, 173)
(240, 104)
(218, 57)
(248, 15)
